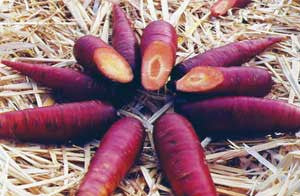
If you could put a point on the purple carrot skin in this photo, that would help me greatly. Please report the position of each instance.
(92, 52)
(158, 47)
(115, 156)
(124, 39)
(181, 157)
(206, 80)
(58, 123)
(72, 84)
(221, 7)
(237, 115)
(233, 54)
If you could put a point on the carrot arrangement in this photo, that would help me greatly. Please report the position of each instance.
(209, 74)
(116, 154)
(221, 7)
(158, 46)
(182, 157)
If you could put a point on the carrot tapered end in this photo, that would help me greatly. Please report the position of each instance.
(112, 65)
(221, 7)
(200, 79)
(157, 64)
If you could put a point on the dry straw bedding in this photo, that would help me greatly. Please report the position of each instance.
(44, 31)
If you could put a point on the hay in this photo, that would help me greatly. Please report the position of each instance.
(45, 31)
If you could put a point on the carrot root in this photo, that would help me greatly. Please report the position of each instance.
(114, 157)
(158, 45)
(233, 54)
(205, 80)
(181, 156)
(124, 39)
(58, 123)
(92, 52)
(238, 115)
(71, 84)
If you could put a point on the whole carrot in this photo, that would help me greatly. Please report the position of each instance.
(114, 157)
(94, 53)
(158, 46)
(181, 157)
(124, 39)
(206, 80)
(233, 54)
(238, 115)
(70, 83)
(221, 7)
(58, 123)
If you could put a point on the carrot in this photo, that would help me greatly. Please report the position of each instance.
(124, 39)
(58, 123)
(233, 54)
(181, 157)
(70, 83)
(221, 7)
(206, 80)
(239, 115)
(158, 46)
(92, 52)
(114, 157)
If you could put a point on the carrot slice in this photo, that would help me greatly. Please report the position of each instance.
(112, 65)
(96, 55)
(157, 65)
(158, 48)
(200, 79)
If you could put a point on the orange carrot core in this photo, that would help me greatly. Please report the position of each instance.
(200, 79)
(113, 65)
(156, 65)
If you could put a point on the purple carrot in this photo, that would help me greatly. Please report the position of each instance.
(72, 84)
(124, 39)
(95, 54)
(206, 80)
(158, 46)
(238, 115)
(59, 123)
(233, 54)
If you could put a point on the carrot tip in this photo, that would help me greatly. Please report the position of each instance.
(113, 65)
(200, 79)
(156, 66)
(221, 7)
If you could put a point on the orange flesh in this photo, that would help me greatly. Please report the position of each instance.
(200, 79)
(156, 65)
(112, 65)
(222, 7)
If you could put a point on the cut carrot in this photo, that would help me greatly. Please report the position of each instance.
(200, 79)
(207, 80)
(112, 65)
(233, 54)
(158, 45)
(93, 53)
(157, 64)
